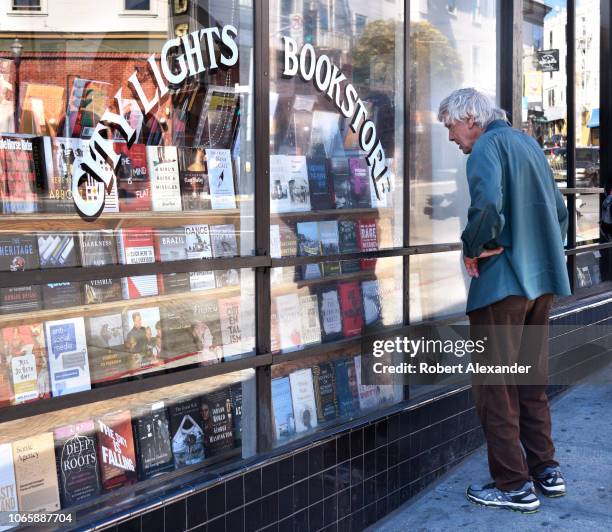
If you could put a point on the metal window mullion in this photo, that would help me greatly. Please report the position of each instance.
(570, 38)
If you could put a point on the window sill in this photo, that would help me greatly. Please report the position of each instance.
(27, 14)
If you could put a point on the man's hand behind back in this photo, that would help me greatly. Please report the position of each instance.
(471, 265)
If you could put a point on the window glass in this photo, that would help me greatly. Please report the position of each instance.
(26, 5)
(336, 123)
(593, 268)
(137, 5)
(544, 104)
(587, 218)
(449, 50)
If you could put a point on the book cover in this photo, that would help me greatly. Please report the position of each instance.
(199, 246)
(369, 394)
(231, 332)
(279, 184)
(372, 308)
(165, 183)
(136, 245)
(368, 241)
(88, 101)
(325, 138)
(8, 486)
(133, 178)
(288, 307)
(223, 238)
(68, 360)
(143, 337)
(152, 441)
(62, 159)
(217, 418)
(58, 250)
(36, 474)
(171, 246)
(319, 184)
(225, 278)
(102, 291)
(77, 463)
(360, 182)
(219, 118)
(176, 322)
(330, 245)
(346, 387)
(116, 451)
(98, 248)
(62, 295)
(304, 405)
(330, 314)
(236, 402)
(18, 175)
(309, 244)
(6, 387)
(348, 242)
(282, 407)
(20, 299)
(287, 237)
(221, 179)
(193, 174)
(351, 307)
(187, 432)
(108, 359)
(298, 187)
(309, 318)
(24, 351)
(274, 327)
(206, 336)
(90, 191)
(325, 392)
(18, 252)
(338, 170)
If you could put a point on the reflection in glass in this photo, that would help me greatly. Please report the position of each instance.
(593, 268)
(450, 49)
(587, 217)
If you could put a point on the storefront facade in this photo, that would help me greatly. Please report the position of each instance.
(210, 208)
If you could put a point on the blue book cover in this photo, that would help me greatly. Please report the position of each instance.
(320, 190)
(284, 422)
(309, 244)
(346, 387)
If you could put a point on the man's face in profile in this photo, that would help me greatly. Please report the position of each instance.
(464, 134)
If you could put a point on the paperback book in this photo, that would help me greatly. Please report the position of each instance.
(18, 252)
(330, 245)
(231, 332)
(352, 309)
(77, 463)
(288, 306)
(176, 323)
(116, 451)
(199, 246)
(325, 138)
(223, 238)
(143, 337)
(193, 174)
(304, 405)
(20, 299)
(133, 179)
(346, 387)
(152, 441)
(330, 314)
(236, 400)
(187, 432)
(282, 406)
(360, 182)
(206, 335)
(68, 360)
(217, 417)
(368, 241)
(279, 184)
(298, 187)
(309, 318)
(319, 184)
(136, 245)
(18, 174)
(309, 244)
(369, 394)
(102, 291)
(62, 295)
(325, 392)
(98, 248)
(171, 246)
(62, 159)
(36, 474)
(165, 183)
(8, 486)
(372, 307)
(58, 250)
(338, 170)
(108, 359)
(219, 119)
(221, 179)
(348, 242)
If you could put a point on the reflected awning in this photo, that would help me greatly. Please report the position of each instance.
(594, 120)
(554, 113)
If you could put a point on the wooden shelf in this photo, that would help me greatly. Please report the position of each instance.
(335, 213)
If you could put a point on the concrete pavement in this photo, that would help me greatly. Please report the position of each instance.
(582, 431)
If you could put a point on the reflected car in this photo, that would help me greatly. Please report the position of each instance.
(587, 165)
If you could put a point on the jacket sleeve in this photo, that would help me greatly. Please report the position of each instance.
(562, 213)
(485, 220)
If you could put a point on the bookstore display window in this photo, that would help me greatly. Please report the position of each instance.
(108, 450)
(321, 188)
(315, 393)
(330, 301)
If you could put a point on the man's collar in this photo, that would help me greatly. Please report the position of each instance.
(496, 124)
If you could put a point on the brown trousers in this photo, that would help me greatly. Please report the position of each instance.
(516, 418)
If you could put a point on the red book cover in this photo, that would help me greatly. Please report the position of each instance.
(133, 179)
(350, 305)
(368, 241)
(136, 245)
(116, 450)
(18, 175)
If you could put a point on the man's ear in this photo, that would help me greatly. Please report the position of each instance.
(470, 122)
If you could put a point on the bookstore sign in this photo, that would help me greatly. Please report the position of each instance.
(207, 48)
(329, 80)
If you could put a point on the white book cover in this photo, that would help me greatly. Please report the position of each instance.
(376, 202)
(330, 312)
(223, 239)
(197, 241)
(304, 405)
(25, 377)
(221, 179)
(165, 183)
(230, 318)
(279, 183)
(136, 246)
(202, 281)
(299, 189)
(68, 362)
(371, 301)
(8, 488)
(369, 394)
(275, 241)
(309, 314)
(288, 308)
(390, 300)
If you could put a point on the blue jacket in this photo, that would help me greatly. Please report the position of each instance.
(515, 203)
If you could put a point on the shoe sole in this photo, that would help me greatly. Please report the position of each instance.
(550, 494)
(502, 506)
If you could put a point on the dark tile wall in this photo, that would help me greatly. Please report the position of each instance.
(351, 480)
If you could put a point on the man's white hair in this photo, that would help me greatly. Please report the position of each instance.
(462, 104)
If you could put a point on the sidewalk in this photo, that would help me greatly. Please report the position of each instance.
(582, 432)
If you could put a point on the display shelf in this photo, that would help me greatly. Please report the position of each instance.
(12, 320)
(379, 212)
